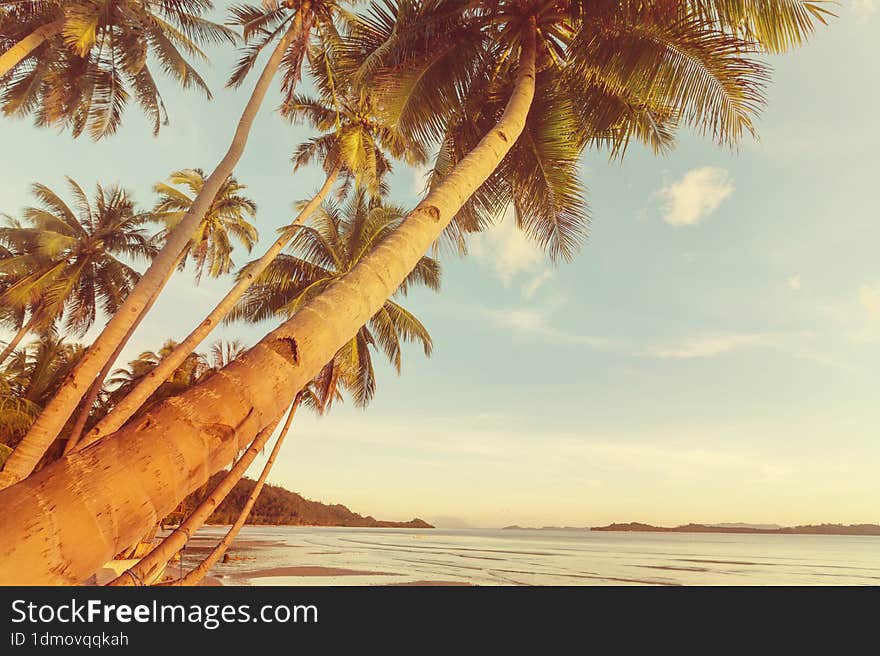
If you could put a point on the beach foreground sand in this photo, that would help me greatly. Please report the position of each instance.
(250, 550)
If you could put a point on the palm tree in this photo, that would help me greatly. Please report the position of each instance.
(117, 385)
(23, 318)
(353, 144)
(223, 352)
(77, 64)
(309, 396)
(351, 367)
(184, 377)
(226, 220)
(16, 415)
(31, 376)
(66, 264)
(340, 238)
(195, 575)
(291, 23)
(211, 248)
(25, 27)
(694, 59)
(354, 133)
(318, 395)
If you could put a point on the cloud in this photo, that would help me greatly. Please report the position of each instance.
(537, 323)
(420, 179)
(527, 321)
(710, 346)
(794, 283)
(869, 297)
(869, 303)
(699, 193)
(534, 322)
(462, 439)
(536, 283)
(507, 250)
(864, 8)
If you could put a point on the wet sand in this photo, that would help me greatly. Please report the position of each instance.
(308, 571)
(433, 583)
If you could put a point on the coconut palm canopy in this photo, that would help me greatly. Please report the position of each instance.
(70, 262)
(226, 220)
(354, 134)
(607, 73)
(95, 57)
(503, 98)
(29, 378)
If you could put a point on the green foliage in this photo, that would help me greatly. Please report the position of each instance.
(190, 372)
(278, 506)
(226, 220)
(261, 26)
(339, 237)
(105, 54)
(29, 379)
(355, 135)
(402, 79)
(609, 71)
(65, 261)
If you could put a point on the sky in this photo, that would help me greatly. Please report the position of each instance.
(712, 355)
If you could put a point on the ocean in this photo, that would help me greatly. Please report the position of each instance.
(299, 555)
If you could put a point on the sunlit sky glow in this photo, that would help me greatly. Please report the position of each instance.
(712, 355)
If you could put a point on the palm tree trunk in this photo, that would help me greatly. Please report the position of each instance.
(14, 342)
(149, 383)
(95, 389)
(194, 576)
(14, 56)
(56, 413)
(106, 496)
(148, 568)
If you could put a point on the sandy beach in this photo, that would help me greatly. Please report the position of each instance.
(338, 557)
(250, 551)
(311, 571)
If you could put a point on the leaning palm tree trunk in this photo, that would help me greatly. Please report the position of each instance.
(14, 56)
(16, 340)
(151, 566)
(62, 406)
(149, 383)
(194, 576)
(106, 496)
(89, 400)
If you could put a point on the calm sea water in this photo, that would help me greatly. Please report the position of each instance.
(497, 557)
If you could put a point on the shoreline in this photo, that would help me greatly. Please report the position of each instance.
(490, 558)
(201, 545)
(838, 530)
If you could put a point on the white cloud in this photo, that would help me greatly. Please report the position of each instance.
(869, 303)
(710, 346)
(527, 321)
(420, 179)
(699, 193)
(794, 283)
(536, 283)
(864, 8)
(869, 297)
(507, 250)
(534, 322)
(537, 323)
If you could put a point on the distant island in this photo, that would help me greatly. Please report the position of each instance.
(279, 506)
(769, 529)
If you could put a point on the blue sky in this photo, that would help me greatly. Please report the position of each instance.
(711, 355)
